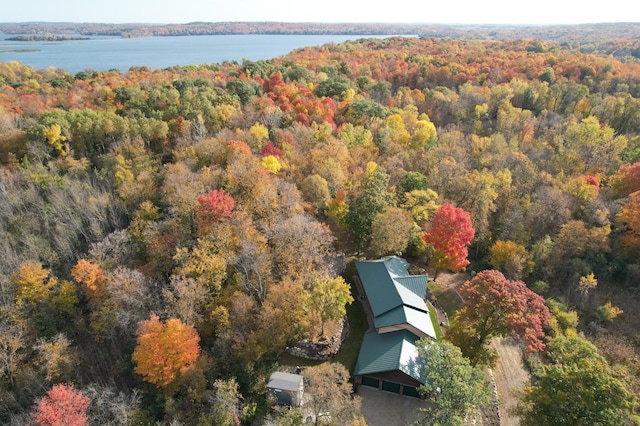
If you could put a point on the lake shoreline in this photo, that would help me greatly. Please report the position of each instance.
(101, 53)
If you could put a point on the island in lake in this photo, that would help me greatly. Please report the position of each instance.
(20, 51)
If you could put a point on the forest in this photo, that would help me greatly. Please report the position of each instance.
(617, 35)
(166, 234)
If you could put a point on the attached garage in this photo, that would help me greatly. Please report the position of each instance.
(371, 382)
(391, 387)
(411, 391)
(389, 362)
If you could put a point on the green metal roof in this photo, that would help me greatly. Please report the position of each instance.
(406, 315)
(389, 352)
(396, 266)
(415, 283)
(395, 296)
(378, 285)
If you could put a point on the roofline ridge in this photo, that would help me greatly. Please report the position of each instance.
(417, 308)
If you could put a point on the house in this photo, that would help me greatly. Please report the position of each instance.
(398, 316)
(287, 388)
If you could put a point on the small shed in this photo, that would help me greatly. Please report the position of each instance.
(287, 388)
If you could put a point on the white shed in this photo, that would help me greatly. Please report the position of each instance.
(287, 388)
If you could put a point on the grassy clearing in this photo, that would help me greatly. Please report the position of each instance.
(434, 320)
(348, 354)
(446, 297)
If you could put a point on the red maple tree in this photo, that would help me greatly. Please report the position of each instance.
(450, 235)
(627, 180)
(63, 405)
(214, 206)
(271, 149)
(495, 306)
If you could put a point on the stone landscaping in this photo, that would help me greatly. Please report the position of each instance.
(323, 348)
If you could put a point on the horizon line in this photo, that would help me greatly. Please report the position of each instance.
(492, 24)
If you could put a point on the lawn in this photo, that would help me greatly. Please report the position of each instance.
(447, 298)
(348, 354)
(434, 320)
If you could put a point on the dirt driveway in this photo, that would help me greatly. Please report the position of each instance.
(510, 374)
(381, 408)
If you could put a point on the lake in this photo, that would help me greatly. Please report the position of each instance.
(104, 53)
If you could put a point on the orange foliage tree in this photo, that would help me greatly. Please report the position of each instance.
(165, 350)
(92, 279)
(630, 216)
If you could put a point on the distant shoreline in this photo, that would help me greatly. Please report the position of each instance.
(36, 37)
(20, 51)
(571, 33)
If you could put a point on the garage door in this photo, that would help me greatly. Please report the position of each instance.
(370, 381)
(391, 387)
(410, 391)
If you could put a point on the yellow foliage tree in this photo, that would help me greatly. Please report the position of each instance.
(271, 164)
(206, 263)
(424, 133)
(512, 259)
(259, 135)
(608, 312)
(397, 130)
(32, 283)
(54, 136)
(329, 298)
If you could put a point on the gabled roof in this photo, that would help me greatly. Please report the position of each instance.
(414, 283)
(285, 381)
(416, 318)
(389, 352)
(395, 296)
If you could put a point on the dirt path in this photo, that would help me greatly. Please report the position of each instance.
(451, 280)
(509, 373)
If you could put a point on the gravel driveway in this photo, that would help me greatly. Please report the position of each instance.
(381, 408)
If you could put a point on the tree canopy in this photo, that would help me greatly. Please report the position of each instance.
(454, 387)
(576, 387)
(450, 236)
(166, 350)
(495, 306)
(229, 199)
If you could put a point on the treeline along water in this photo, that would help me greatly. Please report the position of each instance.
(105, 53)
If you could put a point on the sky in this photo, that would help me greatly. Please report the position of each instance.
(328, 11)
